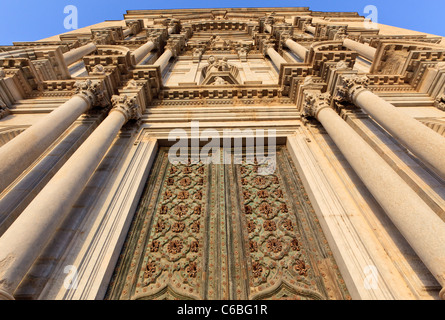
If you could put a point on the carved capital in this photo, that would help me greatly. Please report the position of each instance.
(175, 45)
(126, 105)
(92, 91)
(340, 34)
(267, 43)
(284, 37)
(270, 19)
(4, 111)
(314, 101)
(350, 87)
(439, 102)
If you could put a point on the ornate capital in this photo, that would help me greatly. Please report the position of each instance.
(270, 19)
(267, 43)
(155, 37)
(350, 87)
(126, 105)
(4, 111)
(439, 102)
(314, 102)
(285, 35)
(175, 45)
(340, 34)
(92, 91)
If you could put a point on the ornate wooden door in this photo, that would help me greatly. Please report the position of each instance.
(222, 231)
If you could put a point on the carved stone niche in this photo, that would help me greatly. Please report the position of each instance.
(219, 72)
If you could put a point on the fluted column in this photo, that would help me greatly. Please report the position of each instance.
(23, 150)
(363, 49)
(143, 50)
(25, 239)
(76, 54)
(417, 222)
(426, 144)
(296, 48)
(163, 59)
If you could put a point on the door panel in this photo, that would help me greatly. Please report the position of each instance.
(224, 231)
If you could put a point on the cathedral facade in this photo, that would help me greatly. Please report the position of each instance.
(239, 153)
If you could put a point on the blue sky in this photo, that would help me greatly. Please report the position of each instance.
(30, 20)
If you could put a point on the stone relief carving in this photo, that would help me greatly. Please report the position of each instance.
(219, 81)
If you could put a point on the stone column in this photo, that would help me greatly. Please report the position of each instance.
(426, 144)
(276, 58)
(296, 48)
(417, 222)
(25, 239)
(163, 59)
(143, 50)
(23, 150)
(363, 49)
(76, 54)
(310, 28)
(127, 32)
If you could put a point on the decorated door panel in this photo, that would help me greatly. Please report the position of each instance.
(225, 231)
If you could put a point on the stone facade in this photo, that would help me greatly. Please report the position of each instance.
(91, 208)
